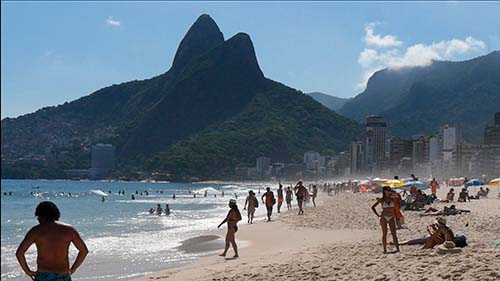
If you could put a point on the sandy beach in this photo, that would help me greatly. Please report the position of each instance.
(340, 240)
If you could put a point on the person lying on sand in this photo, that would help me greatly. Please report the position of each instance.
(447, 211)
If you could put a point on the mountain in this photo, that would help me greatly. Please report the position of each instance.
(332, 102)
(417, 100)
(212, 110)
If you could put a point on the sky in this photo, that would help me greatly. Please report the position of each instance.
(56, 52)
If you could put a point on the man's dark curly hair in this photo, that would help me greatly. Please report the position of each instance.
(48, 210)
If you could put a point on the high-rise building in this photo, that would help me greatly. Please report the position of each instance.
(312, 160)
(400, 148)
(435, 150)
(420, 150)
(449, 137)
(357, 157)
(263, 164)
(102, 159)
(375, 139)
(492, 134)
(465, 159)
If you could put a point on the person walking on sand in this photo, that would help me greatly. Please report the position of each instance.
(314, 194)
(252, 204)
(52, 239)
(232, 218)
(388, 216)
(300, 195)
(288, 198)
(280, 197)
(270, 201)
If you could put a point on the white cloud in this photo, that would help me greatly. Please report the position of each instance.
(418, 54)
(112, 22)
(376, 40)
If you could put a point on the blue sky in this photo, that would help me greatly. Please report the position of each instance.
(54, 52)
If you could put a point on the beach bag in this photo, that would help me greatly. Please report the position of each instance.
(274, 200)
(256, 204)
(460, 240)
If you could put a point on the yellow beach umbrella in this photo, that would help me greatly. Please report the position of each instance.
(494, 182)
(394, 183)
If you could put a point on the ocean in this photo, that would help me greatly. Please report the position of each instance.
(124, 240)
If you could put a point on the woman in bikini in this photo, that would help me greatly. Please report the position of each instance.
(388, 216)
(232, 218)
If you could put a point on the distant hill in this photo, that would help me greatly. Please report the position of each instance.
(212, 111)
(417, 100)
(332, 102)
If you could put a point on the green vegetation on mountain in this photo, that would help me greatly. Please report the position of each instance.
(212, 111)
(421, 99)
(331, 102)
(281, 123)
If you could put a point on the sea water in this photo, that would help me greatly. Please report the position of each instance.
(124, 240)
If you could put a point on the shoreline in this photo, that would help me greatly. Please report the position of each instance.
(340, 240)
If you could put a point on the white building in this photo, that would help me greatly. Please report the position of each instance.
(312, 160)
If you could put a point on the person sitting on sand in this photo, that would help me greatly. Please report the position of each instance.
(288, 198)
(439, 232)
(450, 196)
(159, 210)
(52, 239)
(232, 218)
(388, 216)
(270, 201)
(463, 196)
(300, 195)
(252, 204)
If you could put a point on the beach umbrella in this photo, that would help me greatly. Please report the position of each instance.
(394, 183)
(494, 182)
(418, 184)
(475, 182)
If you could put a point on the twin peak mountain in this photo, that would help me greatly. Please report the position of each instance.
(211, 111)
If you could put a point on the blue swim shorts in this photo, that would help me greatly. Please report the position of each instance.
(49, 276)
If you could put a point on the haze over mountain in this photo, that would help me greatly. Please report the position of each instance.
(418, 100)
(213, 110)
(332, 102)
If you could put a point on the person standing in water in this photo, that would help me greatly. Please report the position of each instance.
(232, 218)
(159, 210)
(288, 198)
(52, 239)
(280, 197)
(252, 204)
(270, 201)
(388, 217)
(167, 210)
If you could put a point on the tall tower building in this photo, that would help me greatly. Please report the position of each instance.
(375, 139)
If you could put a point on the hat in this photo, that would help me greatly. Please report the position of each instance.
(448, 247)
(232, 202)
(441, 220)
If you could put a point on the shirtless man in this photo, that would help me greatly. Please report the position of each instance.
(280, 197)
(52, 239)
(251, 201)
